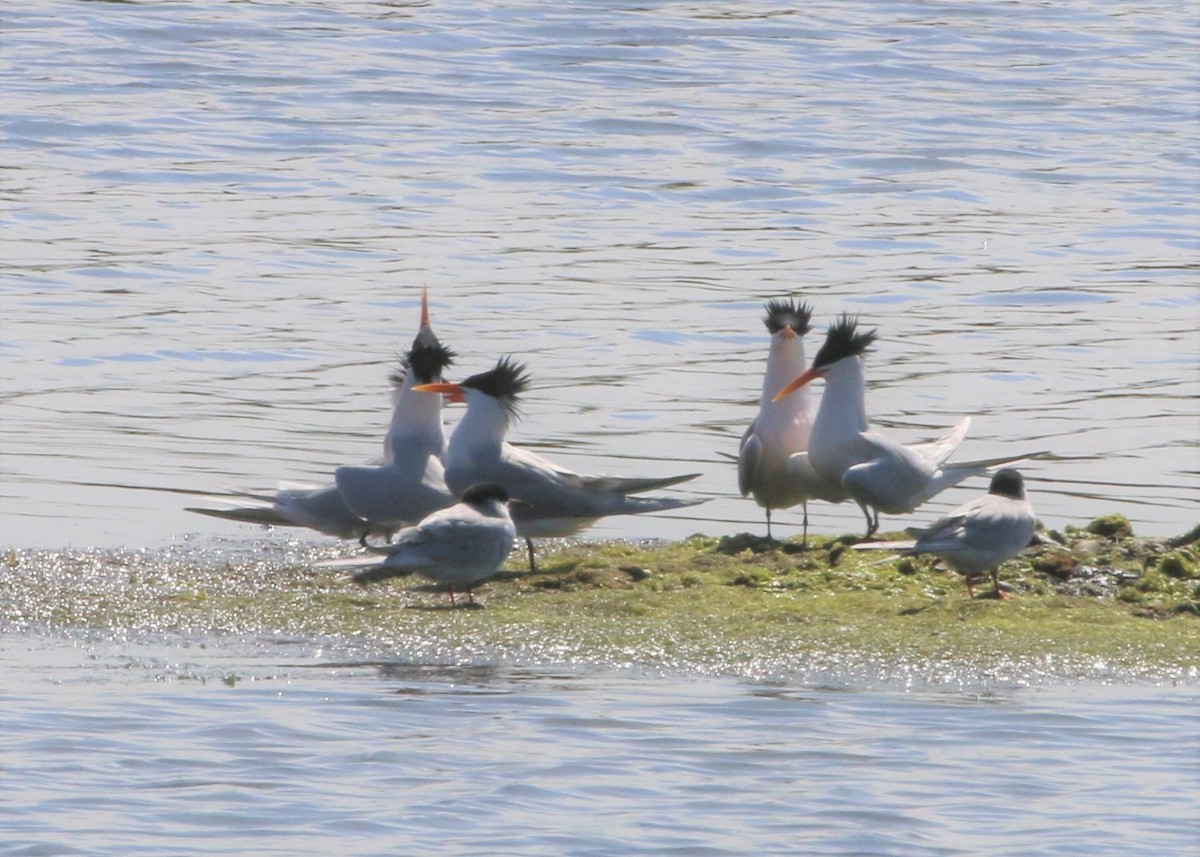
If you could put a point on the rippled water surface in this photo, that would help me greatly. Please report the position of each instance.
(234, 747)
(217, 218)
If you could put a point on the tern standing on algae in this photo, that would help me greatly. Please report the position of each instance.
(557, 502)
(880, 474)
(978, 536)
(772, 466)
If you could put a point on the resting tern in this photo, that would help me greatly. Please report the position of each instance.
(978, 536)
(557, 501)
(457, 546)
(782, 427)
(373, 501)
(880, 474)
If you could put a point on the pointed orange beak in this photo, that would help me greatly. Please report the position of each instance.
(797, 384)
(788, 334)
(452, 392)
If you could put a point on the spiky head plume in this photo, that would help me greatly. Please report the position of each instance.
(787, 313)
(1007, 483)
(843, 340)
(427, 358)
(505, 383)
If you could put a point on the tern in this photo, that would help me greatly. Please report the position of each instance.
(880, 474)
(557, 502)
(978, 536)
(373, 500)
(410, 483)
(782, 427)
(457, 546)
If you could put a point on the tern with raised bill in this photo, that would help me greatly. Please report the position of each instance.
(410, 482)
(979, 536)
(878, 473)
(371, 500)
(557, 501)
(457, 546)
(781, 428)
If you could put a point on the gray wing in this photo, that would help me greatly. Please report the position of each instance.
(420, 549)
(631, 485)
(987, 525)
(555, 492)
(749, 458)
(937, 451)
(940, 531)
(893, 480)
(320, 509)
(390, 495)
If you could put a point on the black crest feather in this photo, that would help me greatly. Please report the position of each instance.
(428, 358)
(787, 313)
(429, 361)
(505, 383)
(843, 339)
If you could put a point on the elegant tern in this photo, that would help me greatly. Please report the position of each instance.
(781, 428)
(880, 474)
(557, 502)
(371, 501)
(410, 483)
(457, 546)
(978, 536)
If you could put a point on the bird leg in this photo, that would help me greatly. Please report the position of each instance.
(970, 588)
(450, 589)
(1001, 594)
(872, 521)
(806, 525)
(532, 561)
(768, 522)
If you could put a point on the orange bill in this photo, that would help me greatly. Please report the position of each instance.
(452, 392)
(796, 385)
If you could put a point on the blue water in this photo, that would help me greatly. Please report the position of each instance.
(134, 747)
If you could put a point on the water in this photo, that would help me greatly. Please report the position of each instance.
(218, 216)
(216, 221)
(135, 747)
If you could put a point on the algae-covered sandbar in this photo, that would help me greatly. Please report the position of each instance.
(1093, 599)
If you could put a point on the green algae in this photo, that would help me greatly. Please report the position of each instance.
(1112, 526)
(1081, 602)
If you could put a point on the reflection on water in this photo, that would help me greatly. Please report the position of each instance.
(151, 747)
(217, 219)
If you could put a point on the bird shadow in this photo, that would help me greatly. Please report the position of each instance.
(446, 606)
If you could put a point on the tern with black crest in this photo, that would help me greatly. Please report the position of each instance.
(880, 474)
(410, 482)
(558, 502)
(781, 429)
(371, 500)
(977, 537)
